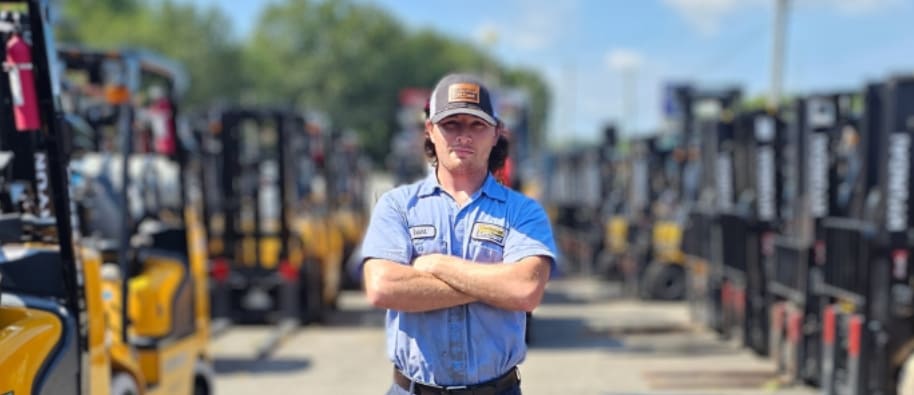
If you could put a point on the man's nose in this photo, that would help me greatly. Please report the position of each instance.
(464, 133)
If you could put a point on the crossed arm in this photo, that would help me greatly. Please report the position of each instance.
(439, 281)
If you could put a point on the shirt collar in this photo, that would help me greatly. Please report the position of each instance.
(490, 187)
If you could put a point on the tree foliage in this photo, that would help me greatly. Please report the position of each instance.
(345, 59)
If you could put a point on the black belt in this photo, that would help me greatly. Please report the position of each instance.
(492, 387)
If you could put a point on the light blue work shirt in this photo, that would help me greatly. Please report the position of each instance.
(466, 344)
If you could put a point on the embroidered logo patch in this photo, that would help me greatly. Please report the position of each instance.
(422, 232)
(488, 232)
(463, 93)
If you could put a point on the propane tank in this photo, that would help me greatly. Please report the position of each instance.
(18, 66)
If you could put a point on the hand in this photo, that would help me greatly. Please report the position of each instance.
(426, 263)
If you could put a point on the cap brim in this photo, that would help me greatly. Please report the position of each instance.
(469, 111)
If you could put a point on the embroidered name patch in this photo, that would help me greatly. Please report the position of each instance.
(422, 232)
(488, 232)
(468, 93)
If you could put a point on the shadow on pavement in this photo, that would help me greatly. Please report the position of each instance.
(684, 348)
(259, 366)
(659, 340)
(707, 379)
(562, 298)
(355, 317)
(547, 333)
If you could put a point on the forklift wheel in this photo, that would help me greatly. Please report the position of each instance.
(124, 384)
(312, 304)
(606, 266)
(664, 281)
(200, 386)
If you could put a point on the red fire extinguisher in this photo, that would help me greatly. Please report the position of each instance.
(22, 84)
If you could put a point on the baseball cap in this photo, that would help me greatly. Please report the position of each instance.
(461, 94)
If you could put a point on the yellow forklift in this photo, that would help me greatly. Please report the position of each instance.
(662, 275)
(52, 328)
(141, 213)
(276, 255)
(346, 172)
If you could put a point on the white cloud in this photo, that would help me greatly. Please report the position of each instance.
(706, 15)
(623, 59)
(857, 7)
(589, 96)
(487, 33)
(537, 25)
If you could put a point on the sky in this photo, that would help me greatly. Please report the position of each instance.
(607, 60)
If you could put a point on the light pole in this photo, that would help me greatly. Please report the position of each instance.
(626, 63)
(777, 55)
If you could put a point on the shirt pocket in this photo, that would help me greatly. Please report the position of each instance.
(428, 246)
(486, 252)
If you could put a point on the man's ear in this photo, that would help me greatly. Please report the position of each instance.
(428, 128)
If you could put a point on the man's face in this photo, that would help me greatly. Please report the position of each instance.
(463, 142)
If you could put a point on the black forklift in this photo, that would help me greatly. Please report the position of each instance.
(575, 196)
(260, 269)
(814, 128)
(711, 130)
(748, 224)
(866, 285)
(50, 320)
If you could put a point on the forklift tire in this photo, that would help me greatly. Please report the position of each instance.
(203, 377)
(906, 377)
(123, 383)
(311, 288)
(606, 266)
(200, 386)
(664, 281)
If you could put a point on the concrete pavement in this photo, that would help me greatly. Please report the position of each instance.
(585, 341)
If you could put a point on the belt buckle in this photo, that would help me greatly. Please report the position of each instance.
(454, 388)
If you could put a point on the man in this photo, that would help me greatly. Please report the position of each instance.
(457, 258)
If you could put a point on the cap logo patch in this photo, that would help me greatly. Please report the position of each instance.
(422, 232)
(464, 92)
(488, 232)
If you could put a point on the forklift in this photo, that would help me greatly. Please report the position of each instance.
(866, 284)
(614, 179)
(815, 125)
(140, 211)
(347, 172)
(659, 270)
(710, 129)
(269, 265)
(748, 226)
(574, 197)
(52, 327)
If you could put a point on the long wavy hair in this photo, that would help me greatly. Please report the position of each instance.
(497, 156)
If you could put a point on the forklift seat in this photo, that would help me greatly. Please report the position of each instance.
(10, 228)
(32, 271)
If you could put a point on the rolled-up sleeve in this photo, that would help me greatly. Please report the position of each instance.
(530, 234)
(387, 237)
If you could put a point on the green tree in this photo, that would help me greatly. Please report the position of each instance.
(199, 40)
(342, 58)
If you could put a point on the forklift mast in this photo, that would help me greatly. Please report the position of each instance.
(37, 161)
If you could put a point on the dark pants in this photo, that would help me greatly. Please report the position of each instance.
(396, 390)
